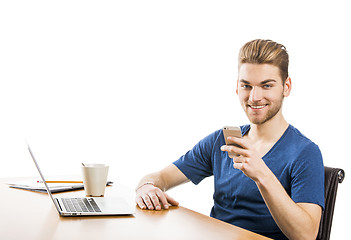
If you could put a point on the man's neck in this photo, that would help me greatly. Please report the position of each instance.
(269, 131)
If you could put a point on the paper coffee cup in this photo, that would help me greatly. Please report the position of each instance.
(95, 179)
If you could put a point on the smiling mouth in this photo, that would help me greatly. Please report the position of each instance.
(257, 106)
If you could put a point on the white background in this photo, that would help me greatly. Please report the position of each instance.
(136, 84)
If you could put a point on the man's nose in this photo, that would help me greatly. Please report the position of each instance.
(255, 94)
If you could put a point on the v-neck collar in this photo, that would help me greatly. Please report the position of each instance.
(245, 129)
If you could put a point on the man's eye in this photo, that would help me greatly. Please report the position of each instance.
(267, 86)
(245, 86)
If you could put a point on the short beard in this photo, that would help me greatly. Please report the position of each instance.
(270, 114)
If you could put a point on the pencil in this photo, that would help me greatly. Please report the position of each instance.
(61, 181)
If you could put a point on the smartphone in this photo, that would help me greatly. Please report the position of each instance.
(232, 132)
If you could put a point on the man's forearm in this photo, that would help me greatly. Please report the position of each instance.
(165, 179)
(292, 219)
(154, 179)
(154, 197)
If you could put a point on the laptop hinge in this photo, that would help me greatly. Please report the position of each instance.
(58, 204)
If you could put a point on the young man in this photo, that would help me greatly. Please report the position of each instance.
(274, 185)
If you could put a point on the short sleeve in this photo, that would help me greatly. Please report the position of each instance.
(196, 164)
(307, 183)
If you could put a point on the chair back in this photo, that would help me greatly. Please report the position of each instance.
(333, 176)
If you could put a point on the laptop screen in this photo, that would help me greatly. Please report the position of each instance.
(42, 177)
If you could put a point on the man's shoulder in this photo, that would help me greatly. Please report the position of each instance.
(245, 128)
(214, 136)
(300, 145)
(298, 137)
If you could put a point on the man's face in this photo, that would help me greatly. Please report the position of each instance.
(261, 91)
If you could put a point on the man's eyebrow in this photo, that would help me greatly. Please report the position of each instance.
(262, 83)
(268, 81)
(244, 81)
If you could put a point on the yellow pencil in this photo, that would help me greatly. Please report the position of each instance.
(61, 181)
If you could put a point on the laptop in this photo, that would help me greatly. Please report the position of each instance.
(86, 206)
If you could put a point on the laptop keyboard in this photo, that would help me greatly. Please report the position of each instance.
(80, 205)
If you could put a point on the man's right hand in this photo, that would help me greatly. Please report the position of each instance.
(150, 197)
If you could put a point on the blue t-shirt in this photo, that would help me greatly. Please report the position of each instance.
(294, 159)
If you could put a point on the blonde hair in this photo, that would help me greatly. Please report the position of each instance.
(261, 51)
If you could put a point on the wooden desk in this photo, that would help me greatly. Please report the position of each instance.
(30, 215)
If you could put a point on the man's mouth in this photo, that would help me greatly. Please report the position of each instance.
(257, 106)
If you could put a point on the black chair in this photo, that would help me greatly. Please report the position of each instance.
(333, 176)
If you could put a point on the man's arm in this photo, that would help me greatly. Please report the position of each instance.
(150, 193)
(296, 220)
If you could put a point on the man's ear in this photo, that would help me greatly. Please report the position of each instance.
(287, 87)
(237, 86)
